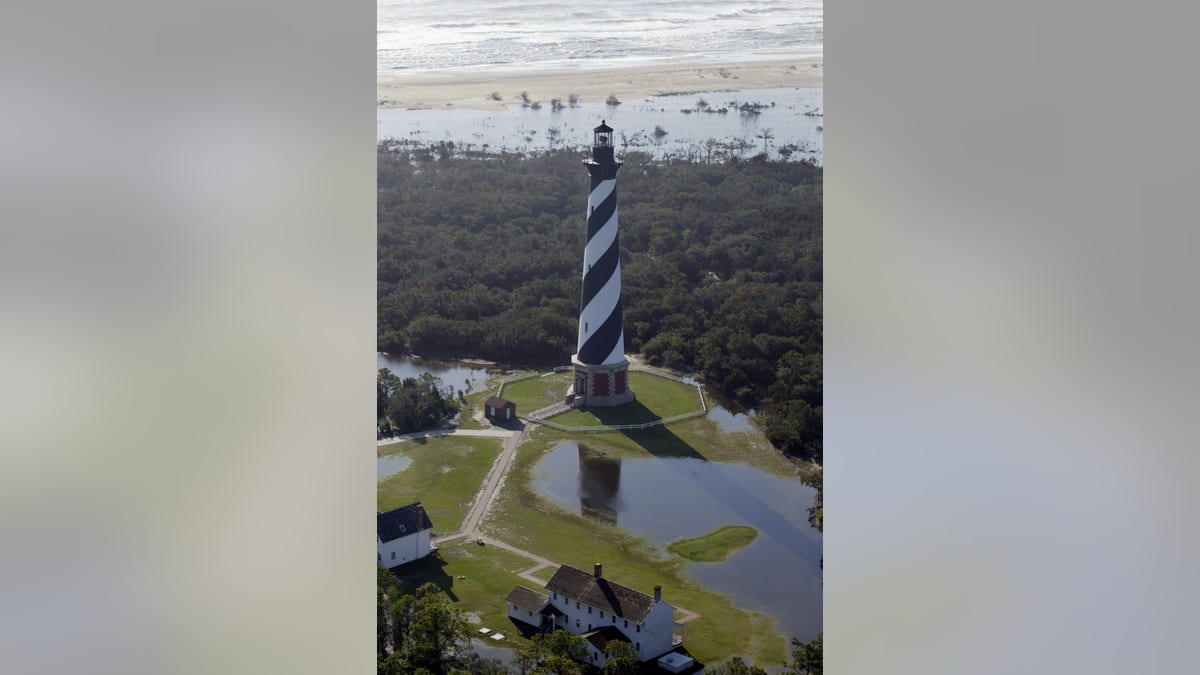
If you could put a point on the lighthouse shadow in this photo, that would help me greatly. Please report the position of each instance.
(659, 441)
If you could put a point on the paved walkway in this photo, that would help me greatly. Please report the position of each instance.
(483, 500)
(490, 433)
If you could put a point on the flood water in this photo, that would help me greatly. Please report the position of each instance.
(466, 376)
(727, 413)
(789, 117)
(390, 464)
(663, 499)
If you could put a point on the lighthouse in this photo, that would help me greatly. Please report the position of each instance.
(601, 370)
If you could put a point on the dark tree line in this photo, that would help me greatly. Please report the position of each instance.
(721, 269)
(411, 404)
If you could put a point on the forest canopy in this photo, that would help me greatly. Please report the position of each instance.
(721, 269)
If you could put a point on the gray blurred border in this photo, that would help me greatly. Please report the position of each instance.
(187, 268)
(187, 276)
(1010, 335)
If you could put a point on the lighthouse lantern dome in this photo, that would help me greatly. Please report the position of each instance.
(603, 136)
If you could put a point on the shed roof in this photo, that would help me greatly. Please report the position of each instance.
(402, 522)
(527, 599)
(601, 593)
(497, 402)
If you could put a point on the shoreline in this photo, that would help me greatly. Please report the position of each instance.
(449, 90)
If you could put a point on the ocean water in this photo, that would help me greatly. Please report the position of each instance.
(417, 35)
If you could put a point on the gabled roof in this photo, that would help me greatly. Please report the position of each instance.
(604, 635)
(402, 522)
(527, 599)
(551, 611)
(497, 402)
(601, 593)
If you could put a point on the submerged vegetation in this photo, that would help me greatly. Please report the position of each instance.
(721, 269)
(412, 403)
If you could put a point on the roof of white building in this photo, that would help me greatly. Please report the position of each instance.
(528, 599)
(601, 593)
(402, 522)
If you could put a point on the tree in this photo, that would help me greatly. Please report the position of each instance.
(471, 663)
(420, 633)
(557, 653)
(438, 635)
(807, 657)
(414, 403)
(386, 384)
(622, 659)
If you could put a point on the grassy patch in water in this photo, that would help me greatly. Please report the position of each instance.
(716, 545)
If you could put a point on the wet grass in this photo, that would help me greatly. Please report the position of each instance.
(716, 545)
(488, 574)
(445, 474)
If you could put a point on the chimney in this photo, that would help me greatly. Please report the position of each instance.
(657, 593)
(420, 516)
(596, 571)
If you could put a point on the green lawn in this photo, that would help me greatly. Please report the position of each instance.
(522, 518)
(537, 392)
(656, 398)
(489, 574)
(716, 545)
(444, 476)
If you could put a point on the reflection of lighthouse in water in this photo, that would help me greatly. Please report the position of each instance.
(599, 483)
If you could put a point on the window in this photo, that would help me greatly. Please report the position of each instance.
(639, 628)
(379, 556)
(576, 604)
(627, 623)
(393, 555)
(638, 646)
(589, 610)
(577, 623)
(589, 626)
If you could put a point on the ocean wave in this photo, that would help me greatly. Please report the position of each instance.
(432, 34)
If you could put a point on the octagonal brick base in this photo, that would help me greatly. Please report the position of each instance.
(605, 385)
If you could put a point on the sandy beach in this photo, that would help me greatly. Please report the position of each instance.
(467, 89)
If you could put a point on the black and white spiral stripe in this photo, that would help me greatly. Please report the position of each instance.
(601, 337)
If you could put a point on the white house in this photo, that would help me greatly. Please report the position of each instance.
(599, 610)
(402, 535)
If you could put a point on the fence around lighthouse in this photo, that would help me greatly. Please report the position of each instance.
(542, 415)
